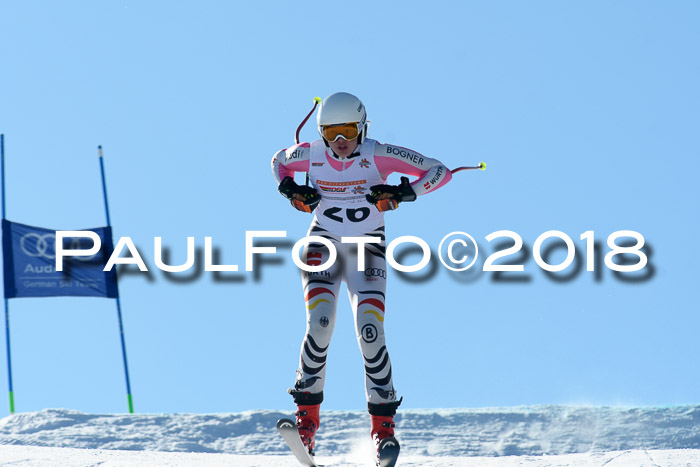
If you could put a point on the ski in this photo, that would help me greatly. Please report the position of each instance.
(388, 452)
(288, 429)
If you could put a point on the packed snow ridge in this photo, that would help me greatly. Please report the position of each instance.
(519, 431)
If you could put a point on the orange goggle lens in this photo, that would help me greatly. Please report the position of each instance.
(348, 131)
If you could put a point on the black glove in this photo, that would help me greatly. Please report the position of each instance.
(304, 198)
(388, 197)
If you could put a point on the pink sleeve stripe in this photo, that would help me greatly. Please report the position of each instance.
(388, 165)
(283, 172)
(289, 169)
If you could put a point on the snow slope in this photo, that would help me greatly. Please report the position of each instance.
(503, 436)
(26, 456)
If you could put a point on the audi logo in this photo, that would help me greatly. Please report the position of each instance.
(35, 245)
(370, 272)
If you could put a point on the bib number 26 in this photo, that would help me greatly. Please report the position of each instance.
(353, 215)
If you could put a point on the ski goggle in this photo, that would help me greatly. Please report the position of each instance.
(347, 131)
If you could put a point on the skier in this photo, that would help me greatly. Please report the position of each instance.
(348, 196)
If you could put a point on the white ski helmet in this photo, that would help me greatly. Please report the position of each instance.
(342, 107)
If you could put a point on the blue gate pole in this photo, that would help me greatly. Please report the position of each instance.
(9, 359)
(7, 304)
(119, 308)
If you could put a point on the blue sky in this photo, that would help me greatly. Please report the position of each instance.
(586, 113)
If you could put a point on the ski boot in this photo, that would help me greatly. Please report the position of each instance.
(382, 417)
(382, 427)
(307, 419)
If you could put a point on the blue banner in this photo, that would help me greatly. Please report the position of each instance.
(29, 260)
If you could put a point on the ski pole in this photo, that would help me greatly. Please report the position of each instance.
(317, 100)
(481, 166)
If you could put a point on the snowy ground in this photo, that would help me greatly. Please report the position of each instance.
(24, 456)
(542, 435)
